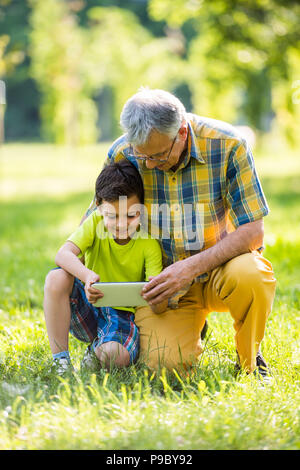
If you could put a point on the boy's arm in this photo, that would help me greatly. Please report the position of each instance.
(67, 259)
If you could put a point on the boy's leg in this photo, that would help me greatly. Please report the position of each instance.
(112, 353)
(118, 338)
(58, 287)
(67, 310)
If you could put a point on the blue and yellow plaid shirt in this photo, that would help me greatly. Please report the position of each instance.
(213, 191)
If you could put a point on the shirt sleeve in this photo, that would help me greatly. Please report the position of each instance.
(153, 258)
(245, 198)
(84, 235)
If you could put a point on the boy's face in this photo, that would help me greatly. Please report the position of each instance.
(121, 217)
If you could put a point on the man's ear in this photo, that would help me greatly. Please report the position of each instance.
(183, 131)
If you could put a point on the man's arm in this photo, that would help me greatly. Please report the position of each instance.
(244, 239)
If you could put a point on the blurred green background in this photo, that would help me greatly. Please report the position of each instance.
(69, 65)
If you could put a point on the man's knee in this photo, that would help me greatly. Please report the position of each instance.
(171, 339)
(244, 278)
(58, 281)
(251, 270)
(171, 356)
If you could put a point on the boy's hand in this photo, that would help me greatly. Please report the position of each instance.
(91, 293)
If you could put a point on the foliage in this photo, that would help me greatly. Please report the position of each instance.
(22, 97)
(243, 59)
(59, 64)
(70, 63)
(11, 58)
(137, 60)
(13, 35)
(76, 62)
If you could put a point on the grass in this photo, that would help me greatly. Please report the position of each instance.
(44, 192)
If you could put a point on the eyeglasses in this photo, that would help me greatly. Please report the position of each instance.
(140, 156)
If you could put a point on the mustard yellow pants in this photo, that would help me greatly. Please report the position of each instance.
(244, 286)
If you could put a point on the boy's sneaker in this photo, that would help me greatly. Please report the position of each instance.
(62, 366)
(90, 362)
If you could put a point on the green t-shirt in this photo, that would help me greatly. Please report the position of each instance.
(136, 261)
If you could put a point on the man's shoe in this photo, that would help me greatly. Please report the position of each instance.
(261, 372)
(90, 362)
(204, 330)
(62, 366)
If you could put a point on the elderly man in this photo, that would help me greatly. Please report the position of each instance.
(205, 204)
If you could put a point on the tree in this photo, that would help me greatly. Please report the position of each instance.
(124, 55)
(243, 59)
(21, 117)
(58, 53)
(72, 63)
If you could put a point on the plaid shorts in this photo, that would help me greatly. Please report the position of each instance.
(89, 323)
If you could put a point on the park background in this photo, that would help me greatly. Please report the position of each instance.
(66, 69)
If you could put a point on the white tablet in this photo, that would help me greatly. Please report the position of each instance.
(120, 294)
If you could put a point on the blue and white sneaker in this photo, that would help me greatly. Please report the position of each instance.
(90, 362)
(62, 366)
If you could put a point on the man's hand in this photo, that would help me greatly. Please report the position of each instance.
(92, 294)
(168, 282)
(244, 239)
(161, 306)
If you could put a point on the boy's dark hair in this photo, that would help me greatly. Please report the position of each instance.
(119, 179)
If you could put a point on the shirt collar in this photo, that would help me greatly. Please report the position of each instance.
(193, 149)
(193, 145)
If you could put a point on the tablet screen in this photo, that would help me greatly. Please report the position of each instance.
(120, 294)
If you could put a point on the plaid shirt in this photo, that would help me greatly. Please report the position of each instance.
(213, 191)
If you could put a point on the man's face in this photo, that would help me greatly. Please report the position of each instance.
(160, 147)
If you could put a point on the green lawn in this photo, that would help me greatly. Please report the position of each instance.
(44, 192)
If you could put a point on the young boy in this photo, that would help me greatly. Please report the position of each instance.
(113, 252)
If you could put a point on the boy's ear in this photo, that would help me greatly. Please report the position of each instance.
(99, 207)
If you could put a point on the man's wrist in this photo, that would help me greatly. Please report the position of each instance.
(194, 265)
(202, 262)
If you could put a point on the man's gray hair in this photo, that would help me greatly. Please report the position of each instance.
(148, 110)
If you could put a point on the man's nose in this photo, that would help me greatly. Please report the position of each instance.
(150, 164)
